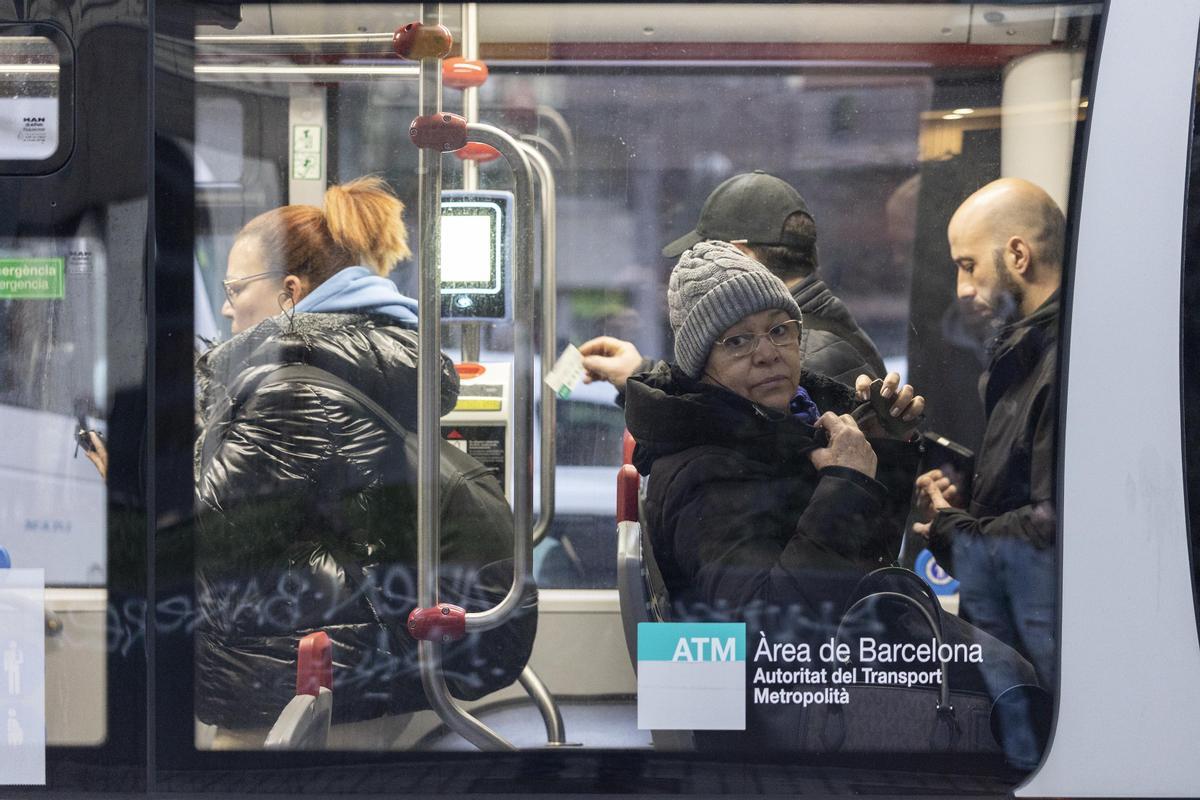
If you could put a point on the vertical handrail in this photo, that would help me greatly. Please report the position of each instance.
(429, 330)
(429, 381)
(523, 379)
(551, 715)
(470, 331)
(549, 324)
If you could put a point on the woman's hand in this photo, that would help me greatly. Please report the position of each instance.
(847, 446)
(905, 404)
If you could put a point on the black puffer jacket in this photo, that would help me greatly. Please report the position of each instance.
(737, 514)
(306, 506)
(833, 343)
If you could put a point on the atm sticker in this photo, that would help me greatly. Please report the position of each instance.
(691, 676)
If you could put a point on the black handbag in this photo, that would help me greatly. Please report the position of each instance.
(896, 718)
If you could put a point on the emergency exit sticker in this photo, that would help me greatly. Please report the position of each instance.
(31, 278)
(691, 676)
(22, 679)
(306, 152)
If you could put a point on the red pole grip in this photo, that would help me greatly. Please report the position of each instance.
(461, 73)
(417, 40)
(442, 132)
(478, 152)
(442, 623)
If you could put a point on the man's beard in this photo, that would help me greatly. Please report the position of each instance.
(1008, 295)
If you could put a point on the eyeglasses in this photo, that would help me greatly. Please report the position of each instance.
(785, 334)
(234, 287)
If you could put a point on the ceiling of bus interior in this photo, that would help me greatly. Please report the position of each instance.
(611, 22)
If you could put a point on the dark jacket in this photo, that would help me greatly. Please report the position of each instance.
(1013, 487)
(745, 529)
(736, 513)
(833, 343)
(306, 513)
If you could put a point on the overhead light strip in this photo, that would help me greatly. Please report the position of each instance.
(29, 69)
(247, 70)
(299, 38)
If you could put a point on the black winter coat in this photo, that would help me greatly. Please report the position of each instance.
(745, 529)
(1012, 493)
(306, 510)
(833, 343)
(738, 517)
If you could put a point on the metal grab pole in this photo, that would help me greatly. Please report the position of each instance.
(470, 331)
(438, 694)
(548, 424)
(522, 375)
(429, 384)
(537, 691)
(429, 331)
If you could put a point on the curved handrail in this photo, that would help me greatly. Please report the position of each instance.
(522, 374)
(549, 326)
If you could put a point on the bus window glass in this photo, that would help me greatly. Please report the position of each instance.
(29, 98)
(894, 182)
(53, 389)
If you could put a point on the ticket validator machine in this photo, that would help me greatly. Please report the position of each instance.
(476, 269)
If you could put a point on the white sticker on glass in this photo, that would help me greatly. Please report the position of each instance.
(22, 680)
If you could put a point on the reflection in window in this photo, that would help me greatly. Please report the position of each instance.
(883, 148)
(29, 107)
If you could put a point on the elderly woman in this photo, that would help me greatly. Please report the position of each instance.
(766, 501)
(306, 478)
(761, 483)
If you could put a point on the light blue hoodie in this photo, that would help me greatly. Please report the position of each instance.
(360, 289)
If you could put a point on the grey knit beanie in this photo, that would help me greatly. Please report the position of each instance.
(713, 287)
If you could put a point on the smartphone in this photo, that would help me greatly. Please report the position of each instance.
(81, 435)
(956, 461)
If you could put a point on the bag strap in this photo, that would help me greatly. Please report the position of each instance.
(315, 376)
(307, 373)
(932, 618)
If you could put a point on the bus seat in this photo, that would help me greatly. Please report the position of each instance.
(640, 589)
(304, 723)
(632, 589)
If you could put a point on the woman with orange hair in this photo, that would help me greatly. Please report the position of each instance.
(306, 478)
(307, 259)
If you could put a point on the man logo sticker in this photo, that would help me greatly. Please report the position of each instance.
(691, 676)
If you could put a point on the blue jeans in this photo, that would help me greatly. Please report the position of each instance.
(1009, 588)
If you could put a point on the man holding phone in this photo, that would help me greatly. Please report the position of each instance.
(1007, 242)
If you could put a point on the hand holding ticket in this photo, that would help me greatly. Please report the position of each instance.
(567, 372)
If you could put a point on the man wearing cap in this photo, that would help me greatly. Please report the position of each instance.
(767, 219)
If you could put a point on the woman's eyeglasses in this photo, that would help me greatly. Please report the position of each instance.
(234, 287)
(785, 334)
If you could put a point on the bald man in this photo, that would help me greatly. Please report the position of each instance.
(1007, 243)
